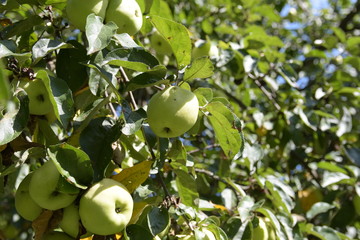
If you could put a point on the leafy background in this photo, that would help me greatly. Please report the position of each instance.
(279, 114)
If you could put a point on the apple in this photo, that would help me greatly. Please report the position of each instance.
(56, 236)
(172, 111)
(261, 232)
(159, 44)
(44, 188)
(24, 204)
(39, 101)
(309, 197)
(70, 222)
(78, 10)
(126, 14)
(106, 208)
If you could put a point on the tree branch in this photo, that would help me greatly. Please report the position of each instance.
(348, 18)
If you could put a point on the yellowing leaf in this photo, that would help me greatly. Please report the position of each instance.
(134, 176)
(221, 207)
(87, 238)
(137, 211)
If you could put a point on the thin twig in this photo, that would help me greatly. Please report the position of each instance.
(111, 106)
(125, 77)
(267, 94)
(348, 18)
(218, 178)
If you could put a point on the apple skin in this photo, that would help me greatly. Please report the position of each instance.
(39, 101)
(172, 111)
(159, 44)
(24, 204)
(78, 10)
(56, 236)
(43, 188)
(261, 232)
(126, 14)
(70, 222)
(106, 208)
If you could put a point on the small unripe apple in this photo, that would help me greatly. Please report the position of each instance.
(57, 236)
(159, 44)
(106, 208)
(126, 14)
(261, 232)
(24, 204)
(44, 189)
(172, 111)
(78, 10)
(39, 101)
(70, 222)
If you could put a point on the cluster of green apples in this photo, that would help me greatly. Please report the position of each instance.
(126, 14)
(172, 112)
(103, 209)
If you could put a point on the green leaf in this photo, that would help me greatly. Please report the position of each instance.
(318, 208)
(282, 195)
(186, 187)
(73, 164)
(4, 88)
(200, 68)
(339, 33)
(15, 119)
(69, 67)
(178, 37)
(137, 232)
(133, 58)
(204, 95)
(126, 41)
(60, 97)
(96, 140)
(222, 120)
(158, 219)
(98, 34)
(245, 208)
(18, 27)
(148, 79)
(133, 121)
(44, 46)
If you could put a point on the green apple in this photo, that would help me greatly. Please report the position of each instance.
(159, 44)
(56, 236)
(24, 204)
(70, 222)
(106, 208)
(172, 111)
(261, 232)
(126, 14)
(78, 10)
(44, 188)
(39, 101)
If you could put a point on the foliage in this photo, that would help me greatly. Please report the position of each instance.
(279, 114)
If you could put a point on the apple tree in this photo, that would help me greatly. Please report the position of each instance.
(153, 119)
